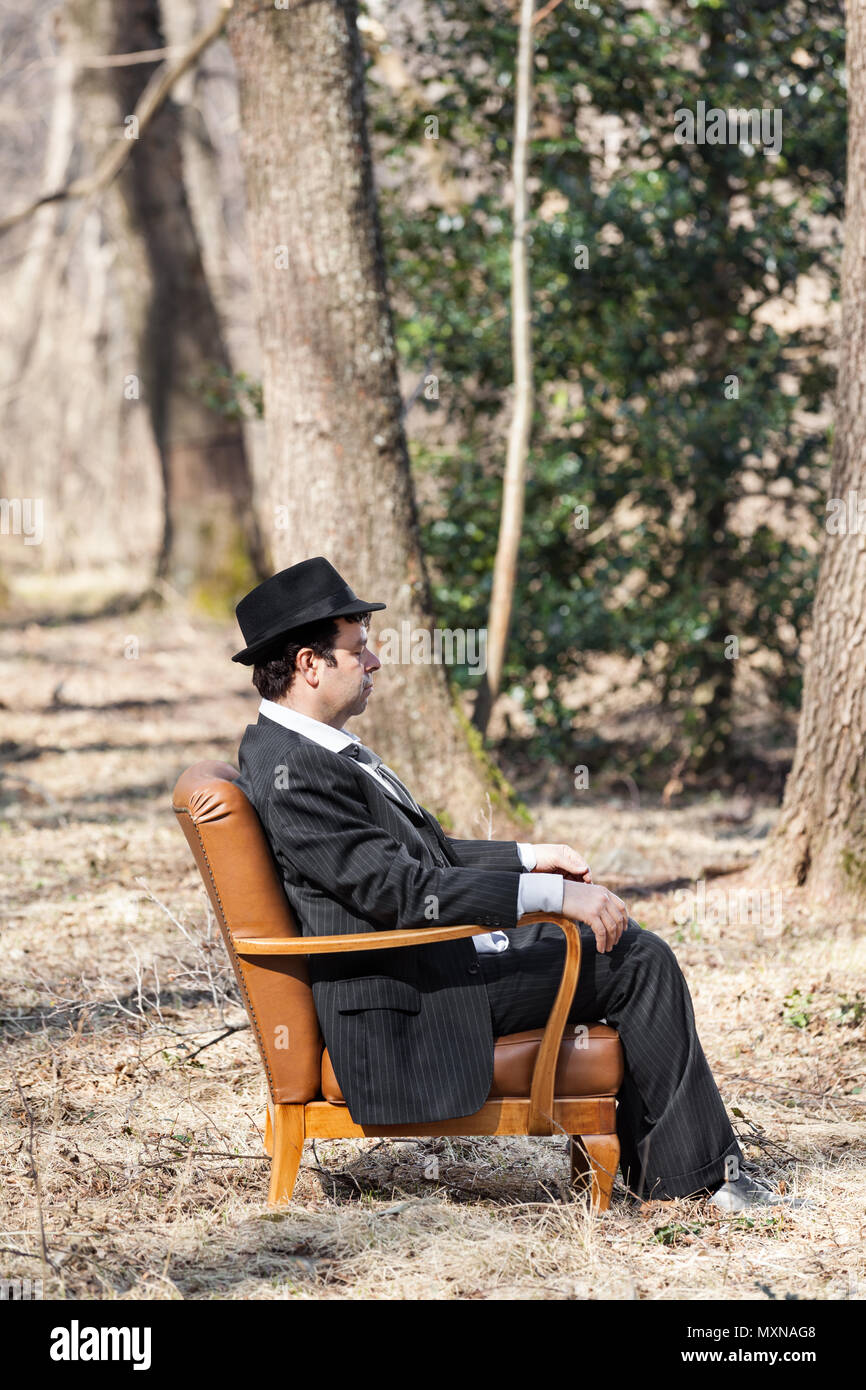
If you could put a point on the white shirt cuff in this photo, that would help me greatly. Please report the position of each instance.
(491, 944)
(535, 893)
(527, 854)
(540, 893)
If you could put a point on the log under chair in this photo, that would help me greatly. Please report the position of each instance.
(561, 1079)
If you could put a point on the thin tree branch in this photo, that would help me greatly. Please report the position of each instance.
(46, 1259)
(146, 108)
(124, 60)
(235, 1028)
(545, 11)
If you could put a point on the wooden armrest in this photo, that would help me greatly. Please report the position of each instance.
(357, 941)
(541, 1092)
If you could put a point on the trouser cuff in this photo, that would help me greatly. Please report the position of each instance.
(708, 1177)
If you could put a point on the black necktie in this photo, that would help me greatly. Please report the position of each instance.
(366, 755)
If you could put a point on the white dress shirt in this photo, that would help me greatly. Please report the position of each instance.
(535, 892)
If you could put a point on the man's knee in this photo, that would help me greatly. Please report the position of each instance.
(648, 946)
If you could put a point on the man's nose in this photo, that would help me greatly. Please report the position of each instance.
(372, 663)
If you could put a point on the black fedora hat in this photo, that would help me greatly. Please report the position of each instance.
(302, 594)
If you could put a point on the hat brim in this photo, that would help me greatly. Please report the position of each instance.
(250, 654)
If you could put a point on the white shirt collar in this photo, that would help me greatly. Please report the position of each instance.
(314, 729)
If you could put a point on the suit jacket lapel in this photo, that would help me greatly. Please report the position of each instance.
(407, 810)
(425, 819)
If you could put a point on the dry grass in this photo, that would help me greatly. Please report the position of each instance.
(133, 1164)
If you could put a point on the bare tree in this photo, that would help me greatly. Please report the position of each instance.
(113, 284)
(209, 527)
(513, 482)
(73, 277)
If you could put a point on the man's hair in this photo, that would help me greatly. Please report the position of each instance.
(274, 671)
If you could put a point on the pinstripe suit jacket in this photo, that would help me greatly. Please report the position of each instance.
(408, 1030)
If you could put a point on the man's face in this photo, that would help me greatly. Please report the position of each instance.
(344, 689)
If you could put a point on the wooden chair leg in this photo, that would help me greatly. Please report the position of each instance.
(288, 1135)
(594, 1161)
(269, 1129)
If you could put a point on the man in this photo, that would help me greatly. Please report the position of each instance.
(410, 1031)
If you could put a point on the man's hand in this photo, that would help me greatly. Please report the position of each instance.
(561, 859)
(601, 909)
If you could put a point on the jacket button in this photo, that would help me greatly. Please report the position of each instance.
(473, 969)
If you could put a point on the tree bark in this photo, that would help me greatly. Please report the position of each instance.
(339, 481)
(820, 840)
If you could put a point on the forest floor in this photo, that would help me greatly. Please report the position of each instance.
(132, 1161)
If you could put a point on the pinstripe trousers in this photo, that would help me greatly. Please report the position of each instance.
(672, 1125)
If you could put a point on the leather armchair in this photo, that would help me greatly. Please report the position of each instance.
(559, 1079)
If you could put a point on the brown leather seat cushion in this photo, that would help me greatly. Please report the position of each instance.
(590, 1063)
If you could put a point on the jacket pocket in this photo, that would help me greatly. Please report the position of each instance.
(376, 992)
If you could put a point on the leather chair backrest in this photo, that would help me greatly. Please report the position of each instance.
(243, 882)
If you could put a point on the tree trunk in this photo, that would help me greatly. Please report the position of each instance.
(513, 483)
(820, 840)
(338, 467)
(210, 542)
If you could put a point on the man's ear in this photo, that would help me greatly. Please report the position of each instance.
(305, 665)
